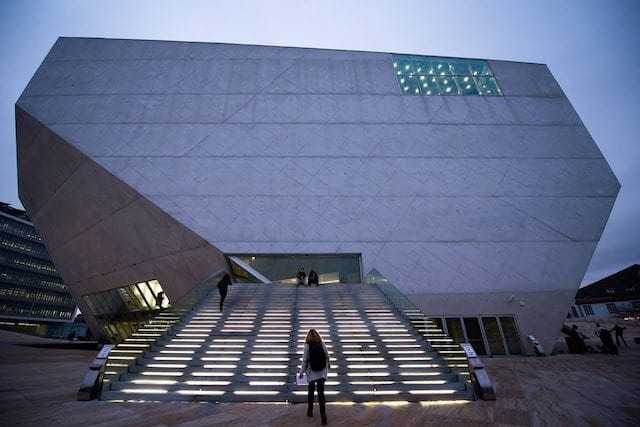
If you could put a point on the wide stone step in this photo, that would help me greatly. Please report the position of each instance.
(267, 387)
(252, 350)
(293, 394)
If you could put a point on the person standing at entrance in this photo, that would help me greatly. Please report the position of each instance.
(315, 365)
(223, 284)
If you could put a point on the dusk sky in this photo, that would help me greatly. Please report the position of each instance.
(591, 47)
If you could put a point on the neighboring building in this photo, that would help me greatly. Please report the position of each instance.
(33, 297)
(471, 185)
(617, 295)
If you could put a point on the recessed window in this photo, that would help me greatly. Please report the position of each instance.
(430, 75)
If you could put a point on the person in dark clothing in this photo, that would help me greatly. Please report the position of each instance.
(316, 375)
(313, 277)
(159, 299)
(300, 277)
(223, 284)
(617, 329)
(579, 338)
(607, 341)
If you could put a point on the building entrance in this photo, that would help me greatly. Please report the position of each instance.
(331, 268)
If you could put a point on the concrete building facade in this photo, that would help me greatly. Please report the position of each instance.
(471, 185)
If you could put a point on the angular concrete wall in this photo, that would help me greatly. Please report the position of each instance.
(286, 150)
(99, 232)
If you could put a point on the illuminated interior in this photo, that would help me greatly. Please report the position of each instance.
(431, 75)
(331, 269)
(121, 311)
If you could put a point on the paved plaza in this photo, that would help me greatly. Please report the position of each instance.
(40, 384)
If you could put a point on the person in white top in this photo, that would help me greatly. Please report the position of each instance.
(315, 365)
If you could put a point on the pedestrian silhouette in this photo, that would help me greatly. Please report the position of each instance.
(223, 285)
(607, 341)
(618, 330)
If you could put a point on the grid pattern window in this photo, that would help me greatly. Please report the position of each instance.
(430, 75)
(26, 246)
(34, 309)
(588, 311)
(18, 228)
(25, 262)
(30, 286)
(14, 276)
(31, 294)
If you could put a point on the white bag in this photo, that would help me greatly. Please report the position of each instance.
(301, 381)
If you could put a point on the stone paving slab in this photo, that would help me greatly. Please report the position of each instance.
(38, 387)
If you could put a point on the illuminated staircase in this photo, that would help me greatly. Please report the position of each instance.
(252, 351)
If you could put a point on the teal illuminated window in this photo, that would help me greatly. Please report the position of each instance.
(430, 75)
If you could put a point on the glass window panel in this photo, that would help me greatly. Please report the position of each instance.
(147, 294)
(467, 85)
(441, 67)
(459, 67)
(409, 84)
(448, 85)
(511, 336)
(403, 66)
(454, 330)
(108, 301)
(488, 86)
(479, 68)
(94, 304)
(422, 65)
(494, 337)
(429, 85)
(158, 294)
(474, 335)
(343, 268)
(437, 321)
(138, 298)
(243, 275)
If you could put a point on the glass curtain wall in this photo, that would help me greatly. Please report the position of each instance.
(30, 287)
(342, 268)
(489, 335)
(122, 310)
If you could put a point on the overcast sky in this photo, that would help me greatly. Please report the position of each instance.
(591, 47)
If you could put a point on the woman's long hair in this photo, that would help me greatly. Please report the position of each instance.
(313, 337)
